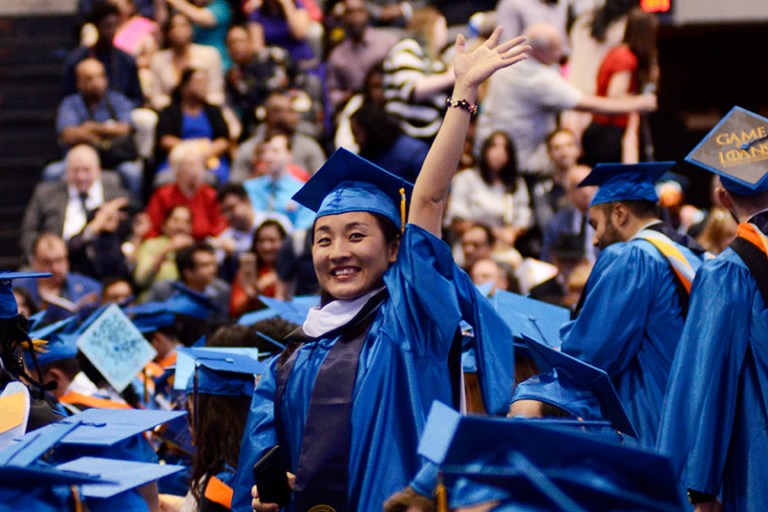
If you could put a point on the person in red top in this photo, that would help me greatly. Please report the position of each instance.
(627, 69)
(189, 189)
(257, 274)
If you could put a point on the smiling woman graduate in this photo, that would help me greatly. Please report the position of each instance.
(348, 399)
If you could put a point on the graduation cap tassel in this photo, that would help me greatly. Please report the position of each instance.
(402, 210)
(441, 495)
(77, 499)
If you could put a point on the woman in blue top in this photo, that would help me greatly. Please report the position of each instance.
(348, 399)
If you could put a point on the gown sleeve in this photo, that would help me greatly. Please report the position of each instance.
(258, 436)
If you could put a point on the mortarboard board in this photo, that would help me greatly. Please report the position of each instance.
(8, 306)
(736, 149)
(579, 388)
(117, 475)
(219, 371)
(350, 183)
(531, 317)
(107, 427)
(39, 488)
(483, 459)
(626, 182)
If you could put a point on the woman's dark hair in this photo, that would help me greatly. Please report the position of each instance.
(611, 11)
(272, 8)
(169, 21)
(220, 425)
(381, 130)
(640, 37)
(509, 173)
(186, 76)
(266, 224)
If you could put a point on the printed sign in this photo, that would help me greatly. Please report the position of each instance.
(115, 347)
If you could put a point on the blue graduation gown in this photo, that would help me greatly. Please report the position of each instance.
(716, 414)
(630, 326)
(403, 367)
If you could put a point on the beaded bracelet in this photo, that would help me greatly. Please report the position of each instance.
(462, 104)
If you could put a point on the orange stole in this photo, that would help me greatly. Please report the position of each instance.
(219, 492)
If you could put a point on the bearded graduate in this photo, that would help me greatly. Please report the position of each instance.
(347, 400)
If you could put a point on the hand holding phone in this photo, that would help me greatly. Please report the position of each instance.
(271, 477)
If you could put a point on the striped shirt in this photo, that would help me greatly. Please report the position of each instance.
(405, 64)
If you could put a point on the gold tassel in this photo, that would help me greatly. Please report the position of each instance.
(441, 495)
(402, 210)
(78, 501)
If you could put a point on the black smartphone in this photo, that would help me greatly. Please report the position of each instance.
(270, 476)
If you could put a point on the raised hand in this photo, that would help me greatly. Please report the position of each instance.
(475, 67)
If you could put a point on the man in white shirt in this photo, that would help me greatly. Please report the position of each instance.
(63, 207)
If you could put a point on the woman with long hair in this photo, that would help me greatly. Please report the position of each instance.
(493, 193)
(347, 400)
(257, 273)
(628, 69)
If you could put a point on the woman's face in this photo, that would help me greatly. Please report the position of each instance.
(496, 155)
(179, 222)
(350, 254)
(268, 242)
(179, 31)
(197, 85)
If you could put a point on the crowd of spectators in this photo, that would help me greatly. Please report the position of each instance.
(185, 127)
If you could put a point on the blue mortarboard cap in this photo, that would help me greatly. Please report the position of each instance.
(626, 182)
(38, 488)
(574, 386)
(542, 465)
(350, 183)
(223, 372)
(294, 311)
(525, 316)
(737, 150)
(117, 475)
(8, 306)
(60, 338)
(107, 427)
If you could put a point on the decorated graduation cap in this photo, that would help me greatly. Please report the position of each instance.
(8, 306)
(626, 182)
(220, 371)
(543, 465)
(737, 150)
(350, 183)
(580, 389)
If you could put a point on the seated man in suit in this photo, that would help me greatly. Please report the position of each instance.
(63, 207)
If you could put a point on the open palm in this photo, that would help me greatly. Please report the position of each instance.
(476, 66)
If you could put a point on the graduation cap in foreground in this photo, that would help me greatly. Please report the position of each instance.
(626, 182)
(580, 389)
(117, 476)
(8, 306)
(39, 488)
(220, 371)
(541, 465)
(737, 150)
(350, 183)
(107, 427)
(530, 317)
